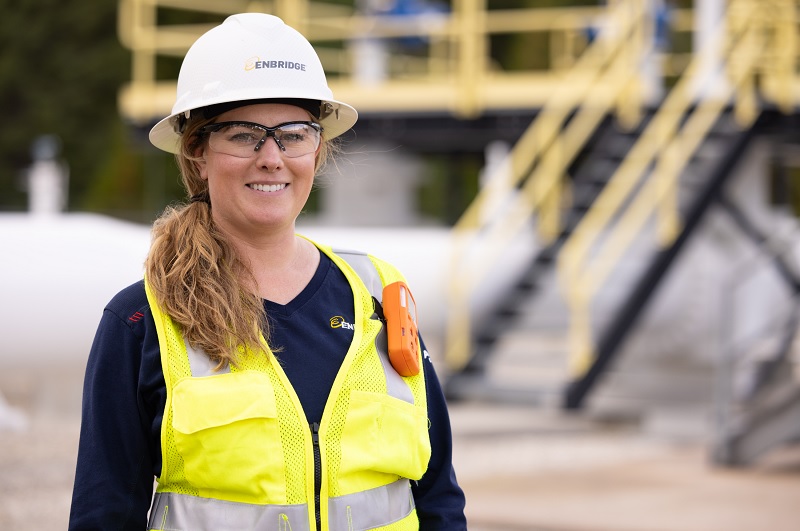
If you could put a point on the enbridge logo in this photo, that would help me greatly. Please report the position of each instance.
(255, 63)
(337, 321)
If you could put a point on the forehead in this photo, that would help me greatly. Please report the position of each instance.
(269, 114)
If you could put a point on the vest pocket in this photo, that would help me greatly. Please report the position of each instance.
(384, 435)
(226, 431)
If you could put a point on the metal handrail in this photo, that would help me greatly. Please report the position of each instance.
(531, 180)
(631, 198)
(457, 74)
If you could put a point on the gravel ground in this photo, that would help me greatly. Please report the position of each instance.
(521, 470)
(37, 466)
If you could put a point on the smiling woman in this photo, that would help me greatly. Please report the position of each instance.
(233, 385)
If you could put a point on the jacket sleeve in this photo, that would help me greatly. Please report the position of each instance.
(114, 472)
(439, 499)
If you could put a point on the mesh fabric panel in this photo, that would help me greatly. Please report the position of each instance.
(362, 377)
(292, 429)
(365, 374)
(172, 466)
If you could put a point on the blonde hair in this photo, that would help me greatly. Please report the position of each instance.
(196, 274)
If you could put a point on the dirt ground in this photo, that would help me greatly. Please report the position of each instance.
(552, 475)
(521, 469)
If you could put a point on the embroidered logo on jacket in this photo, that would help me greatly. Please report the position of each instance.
(337, 321)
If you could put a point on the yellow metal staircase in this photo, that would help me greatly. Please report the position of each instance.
(604, 80)
(755, 41)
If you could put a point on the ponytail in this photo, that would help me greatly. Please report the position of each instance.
(196, 275)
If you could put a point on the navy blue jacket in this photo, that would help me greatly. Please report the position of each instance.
(124, 395)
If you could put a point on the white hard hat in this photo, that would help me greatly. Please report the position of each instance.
(251, 56)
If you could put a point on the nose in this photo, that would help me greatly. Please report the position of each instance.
(270, 154)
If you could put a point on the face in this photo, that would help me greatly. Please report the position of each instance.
(264, 194)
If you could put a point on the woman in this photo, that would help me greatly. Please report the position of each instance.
(248, 371)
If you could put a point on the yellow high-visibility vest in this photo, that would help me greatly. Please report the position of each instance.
(237, 452)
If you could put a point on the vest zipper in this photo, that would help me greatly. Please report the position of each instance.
(317, 473)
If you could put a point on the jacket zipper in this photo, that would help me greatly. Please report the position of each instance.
(317, 473)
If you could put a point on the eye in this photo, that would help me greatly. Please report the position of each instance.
(292, 138)
(294, 134)
(241, 134)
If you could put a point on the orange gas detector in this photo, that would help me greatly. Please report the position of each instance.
(400, 313)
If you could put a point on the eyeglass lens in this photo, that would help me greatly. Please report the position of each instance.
(245, 139)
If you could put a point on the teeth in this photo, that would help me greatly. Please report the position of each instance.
(267, 187)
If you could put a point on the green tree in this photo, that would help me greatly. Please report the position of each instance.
(60, 69)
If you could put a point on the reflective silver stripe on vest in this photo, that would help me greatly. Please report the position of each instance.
(201, 364)
(371, 508)
(365, 269)
(181, 512)
(395, 385)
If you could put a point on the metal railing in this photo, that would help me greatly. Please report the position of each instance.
(454, 70)
(604, 79)
(756, 39)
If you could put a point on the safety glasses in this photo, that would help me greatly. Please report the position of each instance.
(244, 139)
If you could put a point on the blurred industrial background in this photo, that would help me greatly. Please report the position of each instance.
(596, 203)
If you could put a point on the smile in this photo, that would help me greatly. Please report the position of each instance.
(267, 187)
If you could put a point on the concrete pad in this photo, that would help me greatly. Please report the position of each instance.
(539, 476)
